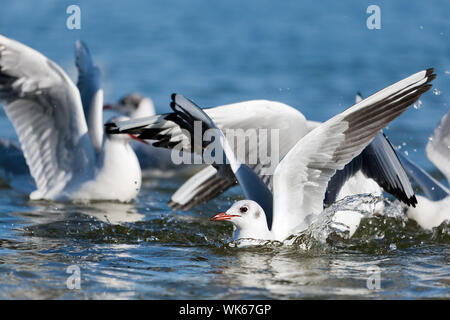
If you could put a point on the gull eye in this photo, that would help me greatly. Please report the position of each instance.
(243, 209)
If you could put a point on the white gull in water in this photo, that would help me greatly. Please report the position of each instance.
(301, 178)
(66, 160)
(434, 208)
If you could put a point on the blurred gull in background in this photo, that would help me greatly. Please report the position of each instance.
(434, 208)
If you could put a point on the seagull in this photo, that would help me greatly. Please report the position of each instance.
(300, 180)
(152, 160)
(70, 159)
(376, 166)
(433, 208)
(133, 105)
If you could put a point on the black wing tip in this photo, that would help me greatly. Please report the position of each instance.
(402, 196)
(412, 201)
(432, 77)
(429, 72)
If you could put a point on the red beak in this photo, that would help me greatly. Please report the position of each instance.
(223, 216)
(137, 139)
(108, 107)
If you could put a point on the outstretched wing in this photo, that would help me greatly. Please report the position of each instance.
(89, 85)
(302, 177)
(438, 147)
(379, 162)
(45, 108)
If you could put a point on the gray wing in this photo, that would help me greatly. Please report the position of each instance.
(379, 162)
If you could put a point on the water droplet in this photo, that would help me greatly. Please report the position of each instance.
(436, 91)
(392, 246)
(430, 138)
(421, 27)
(447, 72)
(406, 152)
(403, 143)
(417, 105)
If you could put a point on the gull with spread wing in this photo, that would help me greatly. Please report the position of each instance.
(376, 166)
(68, 158)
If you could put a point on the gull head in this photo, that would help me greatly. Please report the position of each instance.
(248, 218)
(133, 105)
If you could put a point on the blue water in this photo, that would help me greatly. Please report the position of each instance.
(309, 54)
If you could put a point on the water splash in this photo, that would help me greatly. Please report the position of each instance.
(366, 223)
(417, 105)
